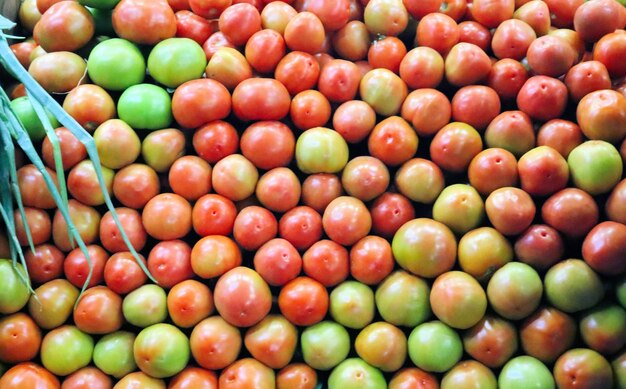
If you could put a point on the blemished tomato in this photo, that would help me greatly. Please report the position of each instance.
(303, 301)
(189, 302)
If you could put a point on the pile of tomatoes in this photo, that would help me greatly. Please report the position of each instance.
(352, 193)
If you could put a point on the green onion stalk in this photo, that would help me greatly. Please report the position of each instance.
(13, 132)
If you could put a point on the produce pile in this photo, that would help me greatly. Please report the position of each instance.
(313, 193)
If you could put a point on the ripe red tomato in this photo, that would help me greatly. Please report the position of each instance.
(371, 260)
(91, 106)
(277, 261)
(45, 263)
(131, 222)
(144, 21)
(76, 266)
(242, 297)
(239, 22)
(169, 262)
(264, 50)
(192, 26)
(99, 311)
(201, 101)
(167, 216)
(189, 302)
(37, 221)
(28, 375)
(268, 144)
(437, 31)
(297, 71)
(134, 185)
(194, 377)
(65, 26)
(428, 110)
(87, 378)
(214, 255)
(214, 343)
(389, 212)
(310, 109)
(278, 189)
(20, 338)
(303, 301)
(215, 141)
(476, 105)
(190, 177)
(122, 273)
(254, 226)
(326, 262)
(261, 99)
(213, 214)
(305, 32)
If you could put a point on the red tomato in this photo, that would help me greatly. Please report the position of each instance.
(305, 32)
(131, 222)
(542, 98)
(76, 266)
(20, 338)
(144, 21)
(247, 373)
(454, 146)
(242, 297)
(189, 302)
(303, 301)
(301, 226)
(277, 261)
(332, 14)
(354, 120)
(86, 220)
(466, 64)
(611, 51)
(298, 71)
(491, 13)
(352, 41)
(346, 220)
(420, 8)
(339, 80)
(593, 20)
(134, 185)
(476, 105)
(194, 377)
(90, 105)
(389, 212)
(562, 135)
(318, 190)
(167, 216)
(393, 141)
(371, 260)
(586, 77)
(216, 41)
(326, 262)
(87, 378)
(28, 375)
(507, 76)
(456, 9)
(209, 9)
(239, 22)
(169, 262)
(550, 56)
(512, 39)
(261, 99)
(192, 26)
(179, 5)
(214, 255)
(213, 214)
(214, 343)
(437, 31)
(122, 273)
(428, 110)
(38, 223)
(278, 189)
(45, 263)
(310, 109)
(33, 188)
(264, 50)
(491, 169)
(190, 177)
(268, 144)
(65, 26)
(422, 67)
(296, 375)
(99, 311)
(475, 33)
(198, 102)
(215, 141)
(562, 11)
(254, 226)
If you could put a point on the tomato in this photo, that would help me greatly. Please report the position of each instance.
(389, 212)
(20, 338)
(111, 137)
(131, 222)
(475, 33)
(145, 106)
(215, 141)
(383, 90)
(507, 76)
(29, 14)
(297, 71)
(242, 297)
(491, 169)
(194, 377)
(326, 262)
(354, 120)
(116, 64)
(261, 99)
(277, 261)
(422, 67)
(466, 64)
(83, 183)
(557, 212)
(86, 220)
(134, 185)
(413, 377)
(542, 98)
(475, 105)
(66, 349)
(393, 141)
(512, 131)
(512, 39)
(189, 302)
(609, 50)
(45, 263)
(29, 374)
(276, 14)
(213, 214)
(76, 266)
(214, 255)
(161, 148)
(87, 378)
(510, 210)
(139, 379)
(190, 177)
(602, 115)
(303, 301)
(419, 9)
(239, 22)
(491, 13)
(428, 110)
(179, 5)
(192, 26)
(310, 108)
(278, 189)
(144, 21)
(562, 135)
(58, 72)
(169, 262)
(216, 41)
(437, 31)
(456, 9)
(55, 303)
(65, 26)
(339, 80)
(234, 177)
(247, 372)
(90, 106)
(167, 216)
(122, 273)
(268, 144)
(33, 188)
(371, 260)
(254, 226)
(551, 56)
(99, 311)
(264, 50)
(594, 20)
(305, 32)
(386, 17)
(215, 344)
(301, 226)
(209, 9)
(175, 61)
(23, 51)
(38, 223)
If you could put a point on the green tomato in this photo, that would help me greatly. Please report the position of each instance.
(595, 166)
(460, 207)
(435, 347)
(145, 306)
(321, 150)
(572, 286)
(352, 304)
(145, 106)
(356, 373)
(113, 354)
(175, 61)
(66, 349)
(100, 4)
(102, 18)
(13, 293)
(525, 372)
(28, 117)
(402, 299)
(325, 345)
(161, 350)
(116, 64)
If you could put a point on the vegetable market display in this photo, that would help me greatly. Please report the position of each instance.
(313, 193)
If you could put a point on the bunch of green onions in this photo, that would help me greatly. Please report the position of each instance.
(12, 132)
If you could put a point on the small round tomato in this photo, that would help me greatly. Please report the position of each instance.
(389, 212)
(510, 210)
(310, 108)
(296, 375)
(169, 262)
(161, 148)
(254, 226)
(512, 39)
(213, 214)
(385, 17)
(277, 261)
(608, 50)
(45, 263)
(189, 302)
(209, 9)
(242, 297)
(198, 102)
(215, 343)
(318, 190)
(420, 180)
(562, 135)
(261, 99)
(297, 71)
(36, 222)
(215, 141)
(326, 262)
(550, 55)
(58, 72)
(239, 22)
(122, 273)
(475, 33)
(29, 14)
(278, 189)
(144, 21)
(602, 115)
(512, 131)
(586, 77)
(476, 105)
(371, 260)
(190, 177)
(437, 31)
(174, 61)
(99, 311)
(507, 77)
(247, 372)
(393, 141)
(116, 64)
(216, 41)
(20, 338)
(89, 105)
(76, 266)
(194, 377)
(346, 220)
(167, 216)
(264, 50)
(383, 90)
(303, 301)
(65, 26)
(387, 53)
(214, 255)
(134, 185)
(491, 169)
(305, 32)
(86, 221)
(466, 64)
(354, 120)
(131, 222)
(234, 177)
(33, 188)
(428, 110)
(28, 374)
(596, 19)
(422, 67)
(352, 41)
(192, 26)
(87, 378)
(492, 13)
(268, 144)
(542, 98)
(301, 226)
(54, 305)
(339, 80)
(83, 183)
